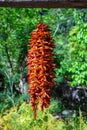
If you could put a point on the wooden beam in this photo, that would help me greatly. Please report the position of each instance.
(44, 3)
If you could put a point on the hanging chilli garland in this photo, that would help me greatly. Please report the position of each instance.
(41, 67)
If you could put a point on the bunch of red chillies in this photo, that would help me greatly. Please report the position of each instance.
(40, 67)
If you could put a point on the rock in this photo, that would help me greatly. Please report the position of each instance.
(73, 97)
(68, 113)
(58, 116)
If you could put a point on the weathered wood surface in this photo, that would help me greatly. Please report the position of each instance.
(44, 3)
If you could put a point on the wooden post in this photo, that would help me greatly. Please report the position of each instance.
(44, 3)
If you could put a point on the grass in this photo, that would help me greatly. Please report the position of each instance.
(21, 118)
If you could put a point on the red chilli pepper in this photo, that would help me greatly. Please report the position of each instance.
(40, 67)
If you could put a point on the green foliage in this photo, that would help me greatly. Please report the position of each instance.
(7, 101)
(61, 52)
(56, 106)
(73, 66)
(78, 55)
(21, 118)
(69, 28)
(15, 32)
(71, 54)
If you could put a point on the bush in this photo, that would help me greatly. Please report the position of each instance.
(21, 118)
(78, 55)
(73, 66)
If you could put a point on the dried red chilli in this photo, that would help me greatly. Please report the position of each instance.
(40, 67)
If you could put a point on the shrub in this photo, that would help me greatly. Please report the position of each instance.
(73, 66)
(21, 118)
(77, 66)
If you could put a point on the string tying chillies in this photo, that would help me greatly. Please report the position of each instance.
(40, 67)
